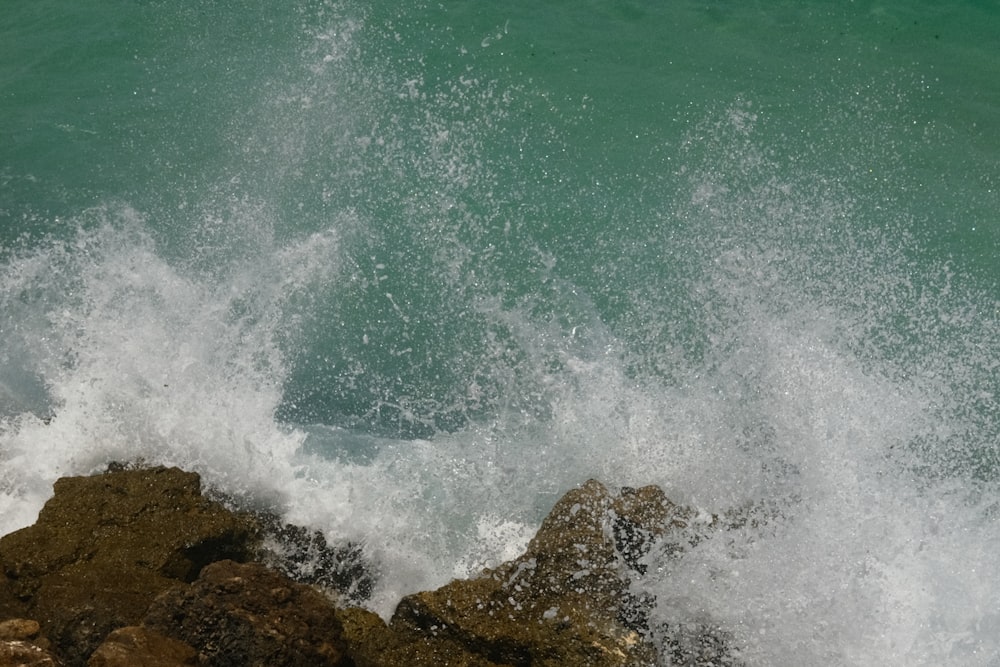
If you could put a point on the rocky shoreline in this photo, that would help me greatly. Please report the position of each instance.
(137, 567)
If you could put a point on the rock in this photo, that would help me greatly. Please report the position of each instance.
(142, 555)
(365, 634)
(25, 654)
(19, 629)
(24, 630)
(141, 647)
(697, 645)
(560, 603)
(304, 556)
(105, 546)
(245, 614)
(565, 601)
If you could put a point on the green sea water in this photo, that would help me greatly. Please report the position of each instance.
(409, 271)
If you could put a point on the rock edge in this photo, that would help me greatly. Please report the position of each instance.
(138, 567)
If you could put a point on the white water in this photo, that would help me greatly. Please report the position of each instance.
(836, 381)
(868, 556)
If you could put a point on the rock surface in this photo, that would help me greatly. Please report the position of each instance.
(105, 546)
(304, 555)
(19, 629)
(141, 647)
(563, 602)
(136, 567)
(18, 653)
(245, 614)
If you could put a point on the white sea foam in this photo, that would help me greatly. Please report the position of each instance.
(819, 377)
(141, 360)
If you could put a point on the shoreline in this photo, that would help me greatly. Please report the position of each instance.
(137, 566)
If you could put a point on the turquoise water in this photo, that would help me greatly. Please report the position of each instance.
(409, 273)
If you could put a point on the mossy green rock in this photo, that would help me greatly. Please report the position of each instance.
(105, 546)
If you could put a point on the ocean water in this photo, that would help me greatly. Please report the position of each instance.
(407, 272)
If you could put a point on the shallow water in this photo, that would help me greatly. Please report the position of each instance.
(408, 274)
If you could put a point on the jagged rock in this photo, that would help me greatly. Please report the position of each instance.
(136, 646)
(560, 603)
(103, 548)
(642, 516)
(304, 556)
(565, 601)
(18, 653)
(245, 614)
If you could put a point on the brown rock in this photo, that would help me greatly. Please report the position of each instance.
(18, 629)
(245, 614)
(364, 632)
(565, 601)
(141, 647)
(640, 517)
(103, 548)
(305, 556)
(25, 654)
(371, 643)
(560, 603)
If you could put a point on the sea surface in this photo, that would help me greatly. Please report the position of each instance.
(407, 272)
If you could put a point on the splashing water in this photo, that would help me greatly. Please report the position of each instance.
(417, 296)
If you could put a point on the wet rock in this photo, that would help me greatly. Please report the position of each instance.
(565, 601)
(245, 614)
(25, 654)
(19, 629)
(304, 555)
(141, 647)
(142, 555)
(24, 630)
(560, 603)
(696, 645)
(365, 634)
(105, 546)
(639, 517)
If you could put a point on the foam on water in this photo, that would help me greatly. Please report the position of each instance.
(141, 360)
(834, 395)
